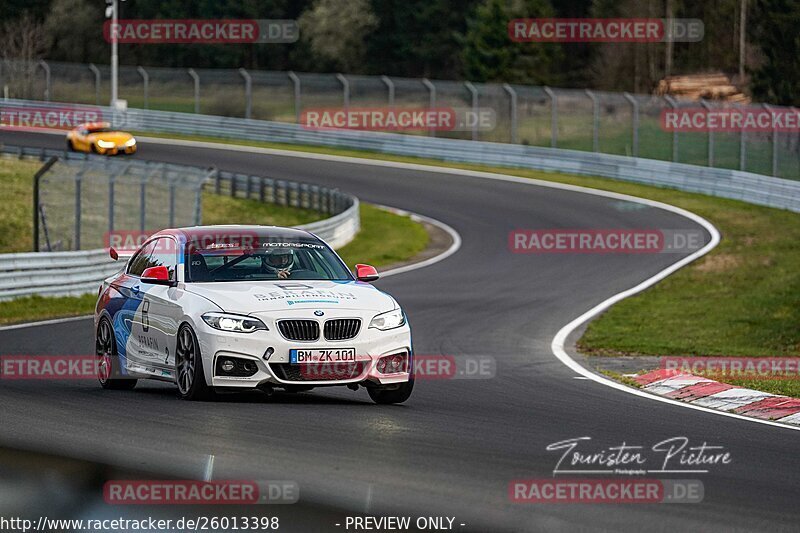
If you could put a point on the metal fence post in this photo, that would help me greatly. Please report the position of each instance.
(96, 72)
(172, 203)
(345, 90)
(142, 202)
(390, 88)
(248, 92)
(42, 63)
(78, 180)
(471, 88)
(213, 174)
(553, 116)
(111, 194)
(634, 124)
(774, 141)
(595, 120)
(198, 206)
(196, 79)
(512, 101)
(431, 100)
(296, 84)
(742, 148)
(36, 184)
(145, 83)
(111, 205)
(674, 105)
(707, 107)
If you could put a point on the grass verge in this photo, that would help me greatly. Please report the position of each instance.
(16, 224)
(218, 209)
(742, 299)
(42, 308)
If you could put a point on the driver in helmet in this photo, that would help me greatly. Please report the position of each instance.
(279, 261)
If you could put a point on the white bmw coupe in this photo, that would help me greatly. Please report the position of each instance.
(249, 307)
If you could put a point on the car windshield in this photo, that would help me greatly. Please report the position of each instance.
(100, 130)
(261, 257)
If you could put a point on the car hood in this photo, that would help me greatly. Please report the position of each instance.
(117, 137)
(269, 296)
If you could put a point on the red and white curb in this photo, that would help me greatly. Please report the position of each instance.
(721, 396)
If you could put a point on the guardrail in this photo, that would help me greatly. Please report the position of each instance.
(54, 273)
(726, 183)
(79, 272)
(337, 230)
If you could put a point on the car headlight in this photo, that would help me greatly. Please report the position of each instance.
(392, 319)
(233, 323)
(130, 142)
(105, 144)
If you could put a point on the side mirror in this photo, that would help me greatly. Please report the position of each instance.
(366, 273)
(157, 275)
(113, 253)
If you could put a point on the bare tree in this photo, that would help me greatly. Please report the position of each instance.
(23, 43)
(336, 29)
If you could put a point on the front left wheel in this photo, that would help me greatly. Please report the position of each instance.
(109, 373)
(189, 374)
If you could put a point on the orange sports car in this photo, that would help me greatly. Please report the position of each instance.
(100, 138)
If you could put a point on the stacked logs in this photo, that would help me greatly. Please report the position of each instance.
(713, 86)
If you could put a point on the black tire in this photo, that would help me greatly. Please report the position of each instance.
(391, 393)
(109, 373)
(189, 374)
(94, 149)
(70, 146)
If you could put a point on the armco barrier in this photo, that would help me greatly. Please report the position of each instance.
(80, 272)
(54, 273)
(746, 186)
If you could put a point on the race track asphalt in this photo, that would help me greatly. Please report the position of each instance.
(455, 446)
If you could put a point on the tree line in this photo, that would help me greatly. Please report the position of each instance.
(442, 39)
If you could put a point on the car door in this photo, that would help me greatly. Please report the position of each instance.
(127, 319)
(161, 312)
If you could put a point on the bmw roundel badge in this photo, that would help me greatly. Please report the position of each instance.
(318, 313)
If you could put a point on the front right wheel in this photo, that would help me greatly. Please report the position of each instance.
(392, 393)
(189, 375)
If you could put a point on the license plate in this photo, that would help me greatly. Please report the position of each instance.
(322, 356)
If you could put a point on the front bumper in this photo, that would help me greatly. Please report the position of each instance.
(117, 150)
(276, 368)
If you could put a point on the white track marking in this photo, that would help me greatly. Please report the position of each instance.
(208, 475)
(44, 322)
(454, 246)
